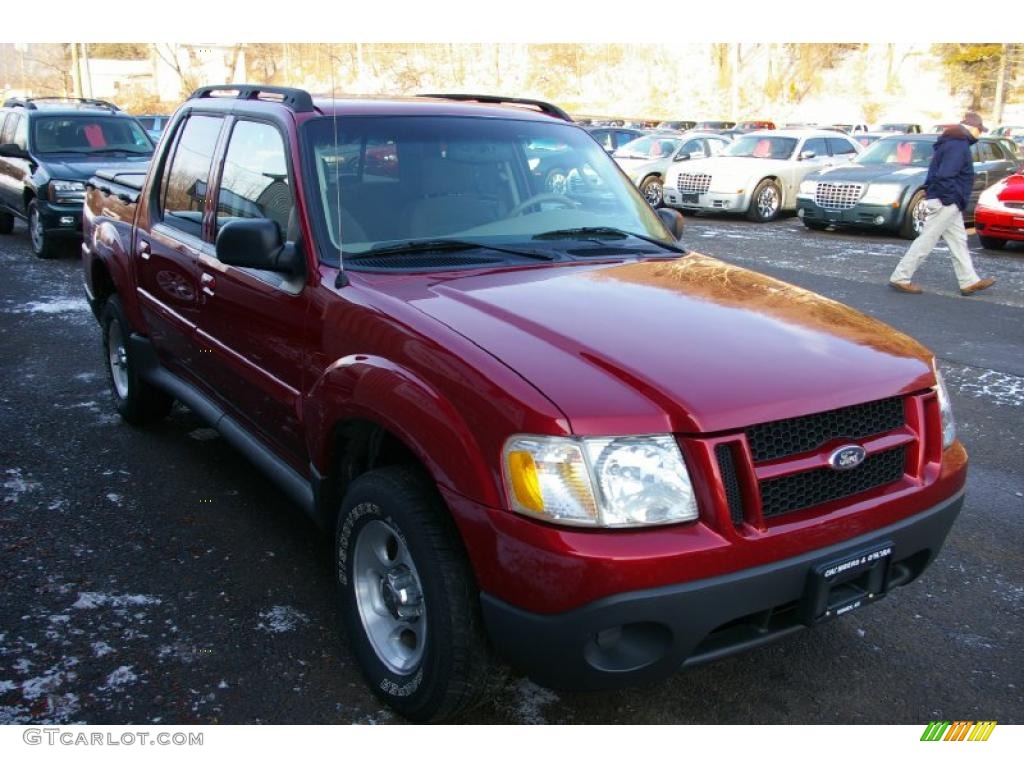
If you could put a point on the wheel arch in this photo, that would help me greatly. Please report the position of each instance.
(367, 412)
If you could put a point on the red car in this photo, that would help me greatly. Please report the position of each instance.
(999, 215)
(537, 427)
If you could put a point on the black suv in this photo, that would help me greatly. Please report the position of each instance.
(49, 147)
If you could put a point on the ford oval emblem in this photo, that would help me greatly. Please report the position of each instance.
(847, 457)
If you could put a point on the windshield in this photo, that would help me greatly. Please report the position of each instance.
(497, 182)
(90, 134)
(757, 145)
(898, 150)
(649, 148)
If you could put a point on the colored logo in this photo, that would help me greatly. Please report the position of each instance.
(847, 457)
(959, 730)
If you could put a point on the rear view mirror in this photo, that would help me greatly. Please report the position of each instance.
(257, 244)
(673, 221)
(808, 154)
(682, 156)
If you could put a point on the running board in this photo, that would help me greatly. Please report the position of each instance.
(288, 480)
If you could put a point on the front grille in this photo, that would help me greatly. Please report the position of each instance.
(776, 439)
(818, 486)
(694, 182)
(838, 197)
(727, 468)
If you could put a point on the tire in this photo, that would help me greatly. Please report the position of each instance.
(992, 243)
(426, 659)
(766, 202)
(6, 223)
(651, 189)
(817, 226)
(137, 401)
(914, 217)
(43, 245)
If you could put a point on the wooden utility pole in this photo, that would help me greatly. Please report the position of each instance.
(997, 107)
(76, 71)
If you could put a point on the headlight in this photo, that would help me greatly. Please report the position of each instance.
(612, 482)
(989, 198)
(945, 409)
(66, 190)
(882, 194)
(808, 187)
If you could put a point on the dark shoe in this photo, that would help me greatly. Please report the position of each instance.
(981, 285)
(906, 287)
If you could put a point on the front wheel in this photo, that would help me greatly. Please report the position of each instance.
(407, 597)
(651, 189)
(914, 217)
(992, 243)
(766, 202)
(136, 400)
(43, 245)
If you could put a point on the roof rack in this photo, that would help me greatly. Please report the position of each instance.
(30, 102)
(544, 106)
(295, 98)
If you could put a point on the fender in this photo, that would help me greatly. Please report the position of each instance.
(108, 242)
(378, 390)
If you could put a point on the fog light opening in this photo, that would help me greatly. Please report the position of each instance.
(879, 220)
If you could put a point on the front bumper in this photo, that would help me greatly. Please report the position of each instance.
(643, 636)
(708, 201)
(861, 215)
(61, 218)
(999, 224)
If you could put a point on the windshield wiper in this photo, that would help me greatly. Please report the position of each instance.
(603, 233)
(108, 150)
(440, 245)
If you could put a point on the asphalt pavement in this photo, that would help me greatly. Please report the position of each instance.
(154, 576)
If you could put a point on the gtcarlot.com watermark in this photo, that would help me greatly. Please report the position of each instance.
(77, 738)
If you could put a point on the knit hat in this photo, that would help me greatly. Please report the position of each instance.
(973, 119)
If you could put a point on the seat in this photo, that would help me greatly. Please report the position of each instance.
(450, 198)
(904, 152)
(763, 148)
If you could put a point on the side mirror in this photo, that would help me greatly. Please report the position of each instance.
(257, 244)
(673, 221)
(12, 150)
(682, 156)
(808, 154)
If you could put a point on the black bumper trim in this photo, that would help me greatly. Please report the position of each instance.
(644, 636)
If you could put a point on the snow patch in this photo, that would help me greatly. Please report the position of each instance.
(281, 618)
(999, 388)
(119, 678)
(15, 485)
(7, 685)
(115, 498)
(204, 434)
(531, 698)
(52, 306)
(88, 600)
(100, 648)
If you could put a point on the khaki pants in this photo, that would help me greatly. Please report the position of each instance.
(943, 221)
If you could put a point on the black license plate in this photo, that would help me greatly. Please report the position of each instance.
(689, 197)
(836, 587)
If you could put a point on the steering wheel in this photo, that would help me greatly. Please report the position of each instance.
(543, 197)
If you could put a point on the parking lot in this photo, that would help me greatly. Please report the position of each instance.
(155, 576)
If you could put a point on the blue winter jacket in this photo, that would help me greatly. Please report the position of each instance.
(951, 173)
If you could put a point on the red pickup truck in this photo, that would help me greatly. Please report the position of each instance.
(540, 430)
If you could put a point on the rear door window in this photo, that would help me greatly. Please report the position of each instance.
(186, 179)
(818, 146)
(841, 147)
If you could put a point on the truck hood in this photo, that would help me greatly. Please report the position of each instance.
(685, 345)
(80, 168)
(891, 173)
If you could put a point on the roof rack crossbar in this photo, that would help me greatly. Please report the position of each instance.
(295, 98)
(546, 107)
(28, 102)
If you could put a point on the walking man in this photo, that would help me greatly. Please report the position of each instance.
(947, 187)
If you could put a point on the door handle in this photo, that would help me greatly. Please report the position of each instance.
(209, 282)
(144, 250)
